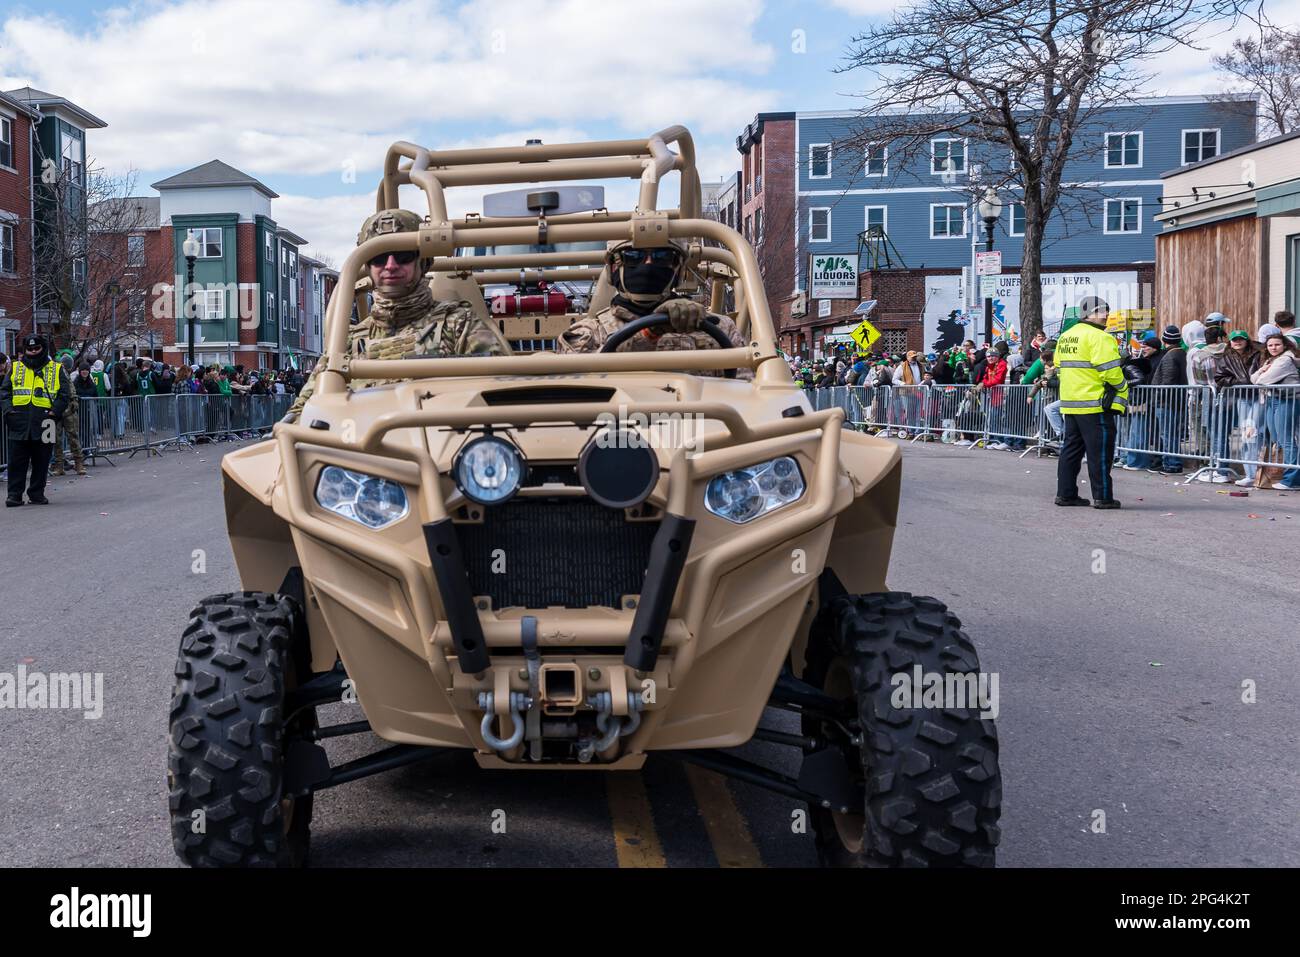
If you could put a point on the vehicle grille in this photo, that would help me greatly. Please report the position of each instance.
(568, 552)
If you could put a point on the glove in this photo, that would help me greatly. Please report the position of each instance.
(683, 314)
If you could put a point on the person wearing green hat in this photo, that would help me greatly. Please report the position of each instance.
(1233, 367)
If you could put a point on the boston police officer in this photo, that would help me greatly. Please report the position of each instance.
(1093, 390)
(33, 398)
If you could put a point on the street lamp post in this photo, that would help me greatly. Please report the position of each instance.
(990, 210)
(191, 250)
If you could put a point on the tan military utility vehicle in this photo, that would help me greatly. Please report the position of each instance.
(563, 561)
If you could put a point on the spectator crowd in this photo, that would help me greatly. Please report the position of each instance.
(1207, 353)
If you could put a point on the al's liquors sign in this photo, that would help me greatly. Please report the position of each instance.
(833, 276)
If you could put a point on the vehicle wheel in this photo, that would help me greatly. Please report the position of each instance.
(226, 757)
(933, 791)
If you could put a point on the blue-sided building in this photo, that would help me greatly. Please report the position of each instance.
(919, 214)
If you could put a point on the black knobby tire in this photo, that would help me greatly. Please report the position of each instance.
(226, 756)
(931, 779)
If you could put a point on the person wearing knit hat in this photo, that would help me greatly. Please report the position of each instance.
(1207, 343)
(1171, 419)
(1266, 330)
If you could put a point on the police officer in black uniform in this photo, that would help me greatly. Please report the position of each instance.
(33, 397)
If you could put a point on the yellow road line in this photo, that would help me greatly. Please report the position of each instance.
(726, 827)
(635, 840)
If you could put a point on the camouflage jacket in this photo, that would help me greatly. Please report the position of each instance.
(448, 328)
(591, 333)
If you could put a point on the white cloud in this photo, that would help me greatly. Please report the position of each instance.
(1184, 71)
(311, 85)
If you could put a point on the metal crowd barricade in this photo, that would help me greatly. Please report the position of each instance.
(1012, 415)
(110, 425)
(191, 422)
(1164, 423)
(1256, 427)
(873, 406)
(163, 427)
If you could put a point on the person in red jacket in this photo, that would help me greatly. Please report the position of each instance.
(995, 374)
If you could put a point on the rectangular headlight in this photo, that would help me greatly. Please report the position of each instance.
(366, 499)
(747, 493)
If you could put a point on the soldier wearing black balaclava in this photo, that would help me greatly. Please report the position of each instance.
(33, 397)
(645, 280)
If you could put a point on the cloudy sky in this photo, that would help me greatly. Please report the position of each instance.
(306, 95)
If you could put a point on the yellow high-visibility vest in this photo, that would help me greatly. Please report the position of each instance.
(35, 388)
(1088, 362)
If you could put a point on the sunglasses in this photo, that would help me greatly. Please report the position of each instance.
(659, 257)
(404, 258)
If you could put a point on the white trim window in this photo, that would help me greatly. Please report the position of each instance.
(1123, 150)
(284, 263)
(947, 220)
(1200, 145)
(135, 303)
(947, 155)
(135, 251)
(876, 161)
(270, 248)
(270, 307)
(209, 238)
(819, 224)
(74, 159)
(819, 161)
(6, 247)
(1123, 216)
(78, 271)
(6, 142)
(212, 306)
(875, 221)
(1016, 222)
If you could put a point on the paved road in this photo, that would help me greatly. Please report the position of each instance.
(1120, 691)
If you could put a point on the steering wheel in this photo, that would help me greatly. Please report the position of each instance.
(709, 327)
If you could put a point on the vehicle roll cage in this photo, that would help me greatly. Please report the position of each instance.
(731, 260)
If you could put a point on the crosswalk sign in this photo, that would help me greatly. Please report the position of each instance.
(865, 335)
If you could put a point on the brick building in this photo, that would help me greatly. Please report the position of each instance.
(15, 218)
(767, 205)
(130, 269)
(39, 130)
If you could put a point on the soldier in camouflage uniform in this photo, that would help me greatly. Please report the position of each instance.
(405, 321)
(645, 279)
(70, 426)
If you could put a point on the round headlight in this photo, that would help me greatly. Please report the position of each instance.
(489, 470)
(618, 470)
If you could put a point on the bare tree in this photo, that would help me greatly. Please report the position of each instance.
(1269, 67)
(1022, 78)
(83, 216)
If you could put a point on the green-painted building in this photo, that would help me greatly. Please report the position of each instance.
(241, 295)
